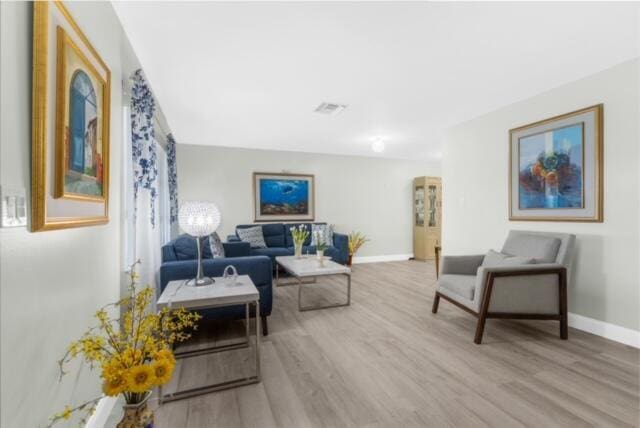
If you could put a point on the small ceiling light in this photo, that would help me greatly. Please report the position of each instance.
(378, 145)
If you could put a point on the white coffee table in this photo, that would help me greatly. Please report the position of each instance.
(309, 267)
(179, 295)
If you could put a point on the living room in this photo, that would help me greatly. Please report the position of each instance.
(301, 214)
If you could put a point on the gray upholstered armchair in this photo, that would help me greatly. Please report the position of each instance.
(527, 280)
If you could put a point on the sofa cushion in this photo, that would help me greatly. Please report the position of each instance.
(272, 253)
(273, 234)
(544, 249)
(287, 234)
(252, 235)
(462, 285)
(325, 231)
(215, 245)
(186, 249)
(494, 258)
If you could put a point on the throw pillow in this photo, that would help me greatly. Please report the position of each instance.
(217, 249)
(495, 259)
(252, 235)
(325, 231)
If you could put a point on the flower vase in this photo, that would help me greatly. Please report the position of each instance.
(350, 260)
(298, 250)
(137, 415)
(320, 256)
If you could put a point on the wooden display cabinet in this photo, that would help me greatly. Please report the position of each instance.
(427, 217)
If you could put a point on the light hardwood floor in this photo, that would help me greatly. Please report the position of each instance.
(387, 361)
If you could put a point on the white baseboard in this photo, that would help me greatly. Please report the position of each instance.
(608, 331)
(385, 258)
(101, 415)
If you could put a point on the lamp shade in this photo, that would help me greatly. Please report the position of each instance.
(199, 218)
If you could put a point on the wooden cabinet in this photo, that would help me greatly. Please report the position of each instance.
(427, 216)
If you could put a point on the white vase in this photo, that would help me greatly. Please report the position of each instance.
(320, 256)
(298, 250)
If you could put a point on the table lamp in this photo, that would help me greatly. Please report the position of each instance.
(199, 219)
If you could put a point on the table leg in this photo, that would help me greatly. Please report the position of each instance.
(313, 308)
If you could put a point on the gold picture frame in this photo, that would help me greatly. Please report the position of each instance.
(300, 207)
(533, 196)
(52, 205)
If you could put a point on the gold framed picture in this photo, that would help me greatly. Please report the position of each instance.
(556, 168)
(71, 91)
(283, 197)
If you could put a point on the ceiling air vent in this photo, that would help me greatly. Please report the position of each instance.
(330, 108)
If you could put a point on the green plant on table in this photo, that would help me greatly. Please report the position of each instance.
(300, 234)
(321, 244)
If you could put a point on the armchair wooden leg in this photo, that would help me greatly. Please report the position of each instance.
(484, 309)
(480, 329)
(564, 322)
(436, 302)
(265, 329)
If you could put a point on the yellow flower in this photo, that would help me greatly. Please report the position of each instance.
(67, 413)
(140, 378)
(165, 354)
(114, 385)
(163, 370)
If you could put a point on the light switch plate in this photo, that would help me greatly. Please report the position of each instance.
(14, 207)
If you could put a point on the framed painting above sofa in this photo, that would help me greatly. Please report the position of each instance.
(556, 168)
(283, 197)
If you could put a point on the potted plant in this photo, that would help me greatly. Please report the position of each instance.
(134, 352)
(356, 240)
(299, 234)
(321, 246)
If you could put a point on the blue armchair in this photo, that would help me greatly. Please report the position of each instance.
(179, 261)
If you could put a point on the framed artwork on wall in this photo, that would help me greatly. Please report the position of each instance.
(283, 197)
(556, 168)
(71, 123)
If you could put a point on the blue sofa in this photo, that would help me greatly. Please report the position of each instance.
(279, 242)
(179, 261)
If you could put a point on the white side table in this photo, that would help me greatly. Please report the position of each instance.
(179, 295)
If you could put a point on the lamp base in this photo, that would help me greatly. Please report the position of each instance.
(199, 282)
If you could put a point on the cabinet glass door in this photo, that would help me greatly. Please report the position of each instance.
(432, 206)
(419, 206)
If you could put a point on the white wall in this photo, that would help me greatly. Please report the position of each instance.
(605, 284)
(51, 282)
(367, 194)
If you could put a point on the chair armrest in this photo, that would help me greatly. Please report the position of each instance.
(341, 242)
(515, 290)
(236, 249)
(461, 265)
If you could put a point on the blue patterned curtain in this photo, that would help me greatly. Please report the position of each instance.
(172, 174)
(145, 170)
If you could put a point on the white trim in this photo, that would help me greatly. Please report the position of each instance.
(103, 409)
(385, 258)
(608, 331)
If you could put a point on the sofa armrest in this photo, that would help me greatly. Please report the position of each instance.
(461, 265)
(341, 242)
(531, 288)
(236, 249)
(233, 238)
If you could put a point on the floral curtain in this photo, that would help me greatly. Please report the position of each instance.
(172, 173)
(145, 170)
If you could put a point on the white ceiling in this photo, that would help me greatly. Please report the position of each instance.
(250, 74)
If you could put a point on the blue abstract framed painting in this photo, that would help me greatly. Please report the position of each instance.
(283, 197)
(556, 168)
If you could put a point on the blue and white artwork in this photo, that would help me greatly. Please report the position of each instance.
(284, 197)
(550, 166)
